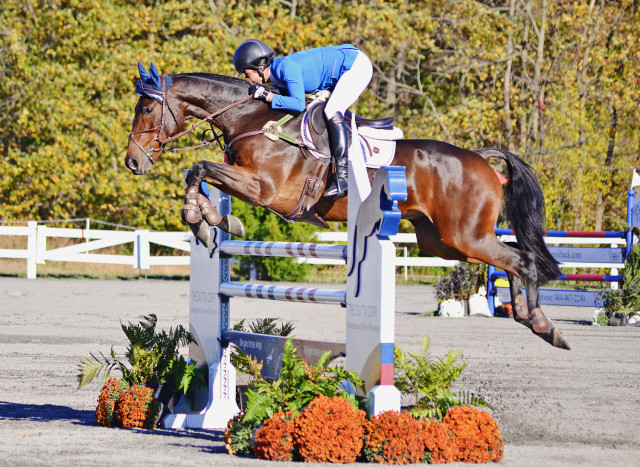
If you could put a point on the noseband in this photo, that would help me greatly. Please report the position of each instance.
(161, 128)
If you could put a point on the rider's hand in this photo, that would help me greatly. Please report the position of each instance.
(259, 92)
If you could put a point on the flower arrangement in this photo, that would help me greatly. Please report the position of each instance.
(461, 282)
(330, 430)
(477, 436)
(105, 411)
(136, 408)
(274, 440)
(322, 423)
(394, 438)
(151, 358)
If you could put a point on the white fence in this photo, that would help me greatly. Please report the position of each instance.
(37, 251)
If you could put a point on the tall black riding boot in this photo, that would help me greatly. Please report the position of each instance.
(339, 141)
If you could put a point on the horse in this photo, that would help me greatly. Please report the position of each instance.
(453, 195)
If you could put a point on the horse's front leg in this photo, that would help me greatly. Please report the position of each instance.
(199, 213)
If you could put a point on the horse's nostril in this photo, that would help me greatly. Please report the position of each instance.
(132, 164)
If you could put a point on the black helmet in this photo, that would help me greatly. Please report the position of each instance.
(249, 53)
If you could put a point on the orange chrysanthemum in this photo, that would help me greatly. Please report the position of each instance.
(329, 430)
(394, 438)
(274, 440)
(105, 411)
(477, 435)
(136, 407)
(439, 440)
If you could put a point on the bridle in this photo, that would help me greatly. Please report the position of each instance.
(162, 94)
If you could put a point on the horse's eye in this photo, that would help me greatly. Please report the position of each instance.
(148, 110)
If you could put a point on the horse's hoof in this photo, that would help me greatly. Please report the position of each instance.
(233, 225)
(554, 337)
(202, 232)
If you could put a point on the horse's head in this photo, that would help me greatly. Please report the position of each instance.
(154, 121)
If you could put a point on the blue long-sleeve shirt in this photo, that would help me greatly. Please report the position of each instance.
(308, 71)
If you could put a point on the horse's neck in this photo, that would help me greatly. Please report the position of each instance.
(203, 95)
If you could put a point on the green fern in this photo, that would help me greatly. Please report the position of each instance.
(152, 357)
(429, 380)
(91, 369)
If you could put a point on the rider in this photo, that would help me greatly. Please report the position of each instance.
(343, 69)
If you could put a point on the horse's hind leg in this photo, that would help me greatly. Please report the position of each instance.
(527, 311)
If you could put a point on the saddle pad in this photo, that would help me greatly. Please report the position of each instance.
(378, 152)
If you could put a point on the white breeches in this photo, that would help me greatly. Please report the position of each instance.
(350, 85)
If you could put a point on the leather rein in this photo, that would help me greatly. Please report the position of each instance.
(161, 128)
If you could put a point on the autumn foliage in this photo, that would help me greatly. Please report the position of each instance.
(466, 72)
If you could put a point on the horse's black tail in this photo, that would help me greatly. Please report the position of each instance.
(525, 211)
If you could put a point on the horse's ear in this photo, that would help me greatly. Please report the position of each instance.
(144, 75)
(155, 76)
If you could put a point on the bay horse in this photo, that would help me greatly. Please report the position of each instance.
(454, 195)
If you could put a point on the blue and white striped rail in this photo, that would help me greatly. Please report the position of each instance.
(278, 292)
(291, 249)
(284, 249)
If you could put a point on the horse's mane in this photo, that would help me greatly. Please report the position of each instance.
(211, 77)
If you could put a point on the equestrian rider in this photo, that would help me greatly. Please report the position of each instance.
(343, 69)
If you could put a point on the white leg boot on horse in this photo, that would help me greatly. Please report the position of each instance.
(339, 141)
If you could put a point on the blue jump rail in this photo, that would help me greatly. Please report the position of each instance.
(585, 298)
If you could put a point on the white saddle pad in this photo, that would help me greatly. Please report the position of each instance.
(379, 146)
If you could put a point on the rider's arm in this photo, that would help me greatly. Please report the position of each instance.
(291, 75)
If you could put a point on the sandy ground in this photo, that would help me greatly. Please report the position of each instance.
(554, 407)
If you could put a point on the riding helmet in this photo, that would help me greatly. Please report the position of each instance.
(249, 53)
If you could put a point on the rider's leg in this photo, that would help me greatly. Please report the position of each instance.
(339, 140)
(346, 91)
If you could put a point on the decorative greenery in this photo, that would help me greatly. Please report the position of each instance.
(477, 436)
(626, 298)
(136, 408)
(297, 385)
(430, 380)
(394, 438)
(151, 357)
(105, 411)
(329, 430)
(238, 436)
(461, 282)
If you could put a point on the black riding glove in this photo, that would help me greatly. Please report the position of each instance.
(258, 92)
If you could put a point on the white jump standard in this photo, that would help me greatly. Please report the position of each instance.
(369, 299)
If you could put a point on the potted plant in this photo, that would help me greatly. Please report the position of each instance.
(454, 290)
(622, 303)
(152, 358)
